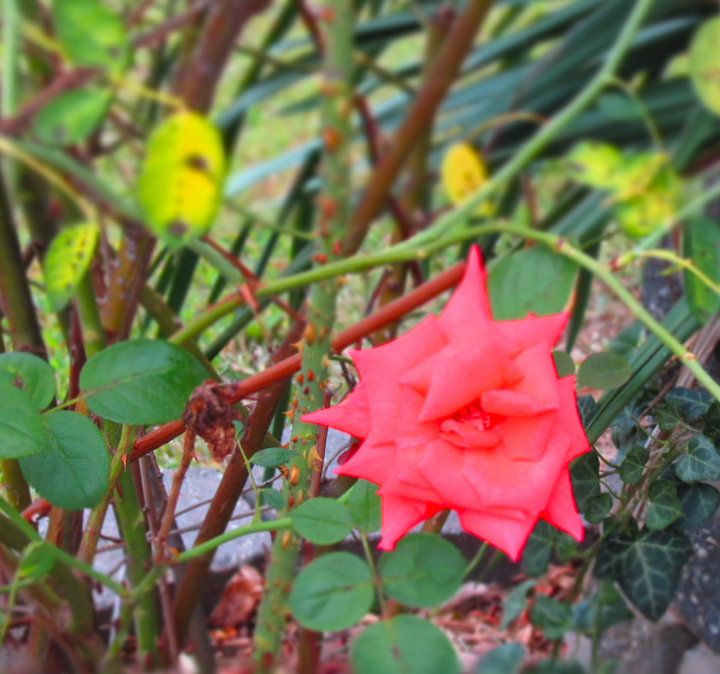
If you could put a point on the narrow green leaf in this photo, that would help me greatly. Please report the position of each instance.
(321, 520)
(424, 570)
(332, 592)
(140, 381)
(405, 644)
(73, 472)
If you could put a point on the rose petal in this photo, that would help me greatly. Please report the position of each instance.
(508, 532)
(561, 510)
(351, 416)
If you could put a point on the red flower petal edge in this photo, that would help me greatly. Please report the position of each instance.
(467, 413)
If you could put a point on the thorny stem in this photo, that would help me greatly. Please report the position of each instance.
(336, 29)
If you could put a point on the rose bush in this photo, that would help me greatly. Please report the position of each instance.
(467, 413)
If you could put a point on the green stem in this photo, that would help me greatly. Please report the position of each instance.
(213, 543)
(334, 214)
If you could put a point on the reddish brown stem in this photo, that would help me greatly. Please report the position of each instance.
(388, 314)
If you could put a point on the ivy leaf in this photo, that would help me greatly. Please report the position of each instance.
(423, 571)
(597, 508)
(554, 618)
(538, 550)
(585, 474)
(504, 659)
(588, 408)
(515, 602)
(602, 610)
(647, 566)
(332, 592)
(663, 505)
(693, 404)
(700, 462)
(406, 644)
(699, 502)
(712, 423)
(633, 465)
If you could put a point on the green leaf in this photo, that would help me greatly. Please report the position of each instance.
(700, 462)
(663, 505)
(556, 667)
(600, 611)
(633, 465)
(74, 471)
(22, 431)
(597, 508)
(588, 408)
(585, 474)
(332, 592)
(595, 164)
(365, 506)
(504, 659)
(682, 404)
(405, 644)
(321, 520)
(36, 562)
(699, 502)
(711, 428)
(30, 373)
(647, 565)
(604, 371)
(701, 243)
(72, 116)
(538, 550)
(554, 618)
(67, 260)
(515, 602)
(91, 34)
(704, 63)
(180, 185)
(533, 280)
(564, 364)
(424, 570)
(272, 498)
(140, 382)
(272, 457)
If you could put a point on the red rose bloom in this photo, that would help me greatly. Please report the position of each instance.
(466, 413)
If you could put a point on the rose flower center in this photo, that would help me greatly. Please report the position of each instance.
(471, 427)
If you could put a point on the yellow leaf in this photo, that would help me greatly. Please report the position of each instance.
(180, 185)
(464, 172)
